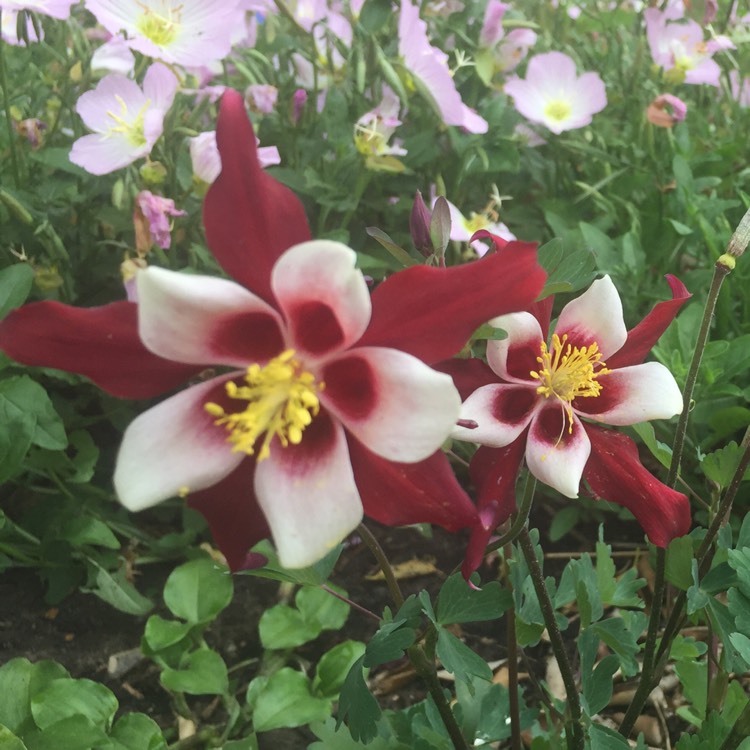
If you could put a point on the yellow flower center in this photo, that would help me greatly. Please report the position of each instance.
(282, 400)
(161, 30)
(133, 129)
(369, 139)
(569, 372)
(558, 110)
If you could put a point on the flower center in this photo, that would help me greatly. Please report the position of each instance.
(132, 129)
(161, 30)
(569, 372)
(282, 400)
(369, 138)
(558, 110)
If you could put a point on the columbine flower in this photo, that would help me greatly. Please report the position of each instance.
(55, 8)
(538, 400)
(127, 120)
(429, 68)
(658, 114)
(154, 211)
(328, 406)
(677, 45)
(175, 31)
(554, 95)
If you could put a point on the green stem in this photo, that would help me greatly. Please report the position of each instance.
(8, 120)
(521, 517)
(574, 727)
(390, 579)
(740, 731)
(512, 644)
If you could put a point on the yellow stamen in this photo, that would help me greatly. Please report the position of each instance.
(558, 109)
(282, 400)
(161, 30)
(134, 130)
(569, 372)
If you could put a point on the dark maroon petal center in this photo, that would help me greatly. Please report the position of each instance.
(315, 327)
(512, 405)
(252, 336)
(350, 387)
(522, 359)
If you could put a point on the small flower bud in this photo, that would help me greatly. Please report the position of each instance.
(419, 226)
(153, 173)
(741, 237)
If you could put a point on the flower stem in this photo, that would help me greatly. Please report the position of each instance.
(390, 579)
(350, 602)
(8, 120)
(521, 517)
(512, 644)
(574, 726)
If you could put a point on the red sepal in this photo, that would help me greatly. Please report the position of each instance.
(615, 473)
(101, 343)
(468, 374)
(250, 218)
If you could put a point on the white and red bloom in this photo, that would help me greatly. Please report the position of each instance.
(175, 31)
(429, 68)
(327, 407)
(554, 95)
(543, 401)
(126, 120)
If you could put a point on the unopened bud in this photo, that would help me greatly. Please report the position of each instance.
(419, 226)
(741, 237)
(76, 72)
(153, 173)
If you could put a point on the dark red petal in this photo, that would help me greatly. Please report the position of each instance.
(432, 312)
(642, 338)
(467, 374)
(493, 472)
(233, 515)
(397, 494)
(250, 217)
(542, 311)
(351, 387)
(100, 343)
(252, 336)
(615, 473)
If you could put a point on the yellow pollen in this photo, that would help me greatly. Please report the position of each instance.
(282, 400)
(369, 139)
(132, 130)
(161, 30)
(558, 109)
(569, 372)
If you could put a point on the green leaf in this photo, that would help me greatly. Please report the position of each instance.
(198, 590)
(115, 589)
(696, 597)
(15, 687)
(459, 659)
(686, 649)
(567, 271)
(246, 743)
(83, 530)
(315, 575)
(138, 732)
(389, 643)
(563, 521)
(595, 241)
(320, 606)
(597, 687)
(742, 644)
(22, 397)
(395, 250)
(721, 465)
(202, 672)
(692, 676)
(357, 706)
(285, 700)
(15, 285)
(603, 738)
(9, 741)
(334, 666)
(72, 733)
(160, 633)
(622, 638)
(458, 602)
(680, 228)
(660, 451)
(67, 697)
(679, 562)
(282, 627)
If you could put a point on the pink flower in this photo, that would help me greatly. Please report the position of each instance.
(679, 48)
(156, 210)
(328, 407)
(55, 8)
(175, 31)
(127, 120)
(503, 53)
(375, 128)
(532, 400)
(463, 229)
(206, 160)
(114, 56)
(658, 114)
(554, 95)
(262, 97)
(429, 68)
(740, 88)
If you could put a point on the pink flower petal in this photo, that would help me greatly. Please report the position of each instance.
(502, 412)
(423, 311)
(393, 403)
(614, 472)
(308, 495)
(514, 358)
(555, 456)
(322, 295)
(174, 448)
(205, 320)
(633, 394)
(100, 155)
(101, 343)
(250, 218)
(595, 316)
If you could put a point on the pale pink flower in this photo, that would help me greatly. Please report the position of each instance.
(658, 114)
(206, 160)
(299, 99)
(554, 95)
(114, 56)
(126, 120)
(262, 97)
(678, 46)
(374, 129)
(55, 8)
(740, 88)
(157, 210)
(429, 68)
(463, 228)
(506, 51)
(9, 29)
(175, 31)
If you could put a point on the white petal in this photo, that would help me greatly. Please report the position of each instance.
(555, 456)
(502, 413)
(204, 319)
(308, 494)
(323, 296)
(173, 448)
(514, 357)
(595, 316)
(160, 85)
(635, 394)
(392, 402)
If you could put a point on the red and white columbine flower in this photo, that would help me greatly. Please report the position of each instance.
(327, 407)
(532, 400)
